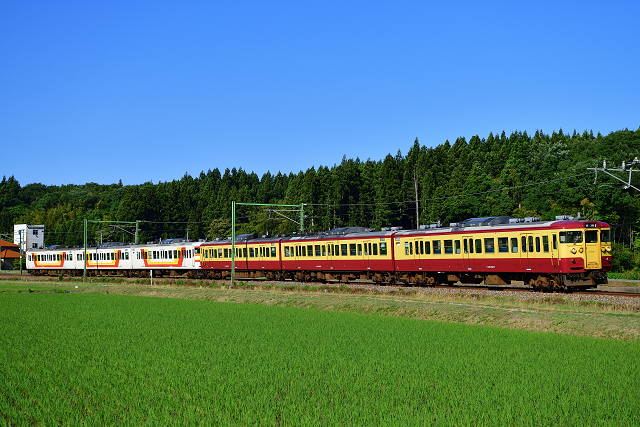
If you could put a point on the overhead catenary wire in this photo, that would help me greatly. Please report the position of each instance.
(451, 197)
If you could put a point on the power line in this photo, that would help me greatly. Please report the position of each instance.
(451, 197)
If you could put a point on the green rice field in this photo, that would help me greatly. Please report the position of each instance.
(102, 359)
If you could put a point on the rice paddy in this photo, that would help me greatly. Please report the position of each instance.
(96, 359)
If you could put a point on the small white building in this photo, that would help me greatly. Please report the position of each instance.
(32, 236)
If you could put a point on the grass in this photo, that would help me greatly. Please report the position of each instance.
(548, 313)
(101, 359)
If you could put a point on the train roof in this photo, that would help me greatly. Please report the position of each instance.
(508, 224)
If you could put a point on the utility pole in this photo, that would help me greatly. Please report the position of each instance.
(626, 167)
(20, 252)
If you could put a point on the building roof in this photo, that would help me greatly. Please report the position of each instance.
(8, 253)
(5, 244)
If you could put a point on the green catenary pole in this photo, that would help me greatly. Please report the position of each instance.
(233, 241)
(84, 255)
(20, 252)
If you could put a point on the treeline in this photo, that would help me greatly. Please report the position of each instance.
(520, 175)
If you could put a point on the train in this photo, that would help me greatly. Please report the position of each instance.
(565, 253)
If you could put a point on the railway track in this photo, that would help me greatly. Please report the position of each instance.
(505, 289)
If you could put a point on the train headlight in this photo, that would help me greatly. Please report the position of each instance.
(608, 248)
(573, 250)
(581, 250)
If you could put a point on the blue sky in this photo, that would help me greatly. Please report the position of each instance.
(148, 91)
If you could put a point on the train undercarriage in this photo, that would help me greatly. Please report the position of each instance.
(543, 281)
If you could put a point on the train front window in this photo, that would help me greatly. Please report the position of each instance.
(571, 237)
(591, 236)
(605, 236)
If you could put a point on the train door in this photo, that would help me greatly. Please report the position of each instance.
(411, 250)
(368, 254)
(420, 253)
(592, 255)
(526, 250)
(467, 252)
(555, 263)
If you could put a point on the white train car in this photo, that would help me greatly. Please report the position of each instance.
(168, 258)
(51, 261)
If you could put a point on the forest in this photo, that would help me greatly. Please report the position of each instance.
(520, 175)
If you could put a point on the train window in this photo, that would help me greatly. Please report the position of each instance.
(359, 249)
(466, 246)
(537, 244)
(448, 246)
(336, 250)
(352, 249)
(421, 247)
(503, 244)
(545, 243)
(457, 242)
(226, 252)
(514, 245)
(244, 252)
(383, 248)
(343, 249)
(273, 252)
(427, 247)
(411, 248)
(324, 250)
(571, 237)
(126, 255)
(310, 250)
(317, 248)
(367, 249)
(286, 251)
(303, 251)
(605, 236)
(250, 252)
(406, 248)
(524, 243)
(489, 245)
(478, 246)
(591, 236)
(530, 243)
(375, 249)
(437, 249)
